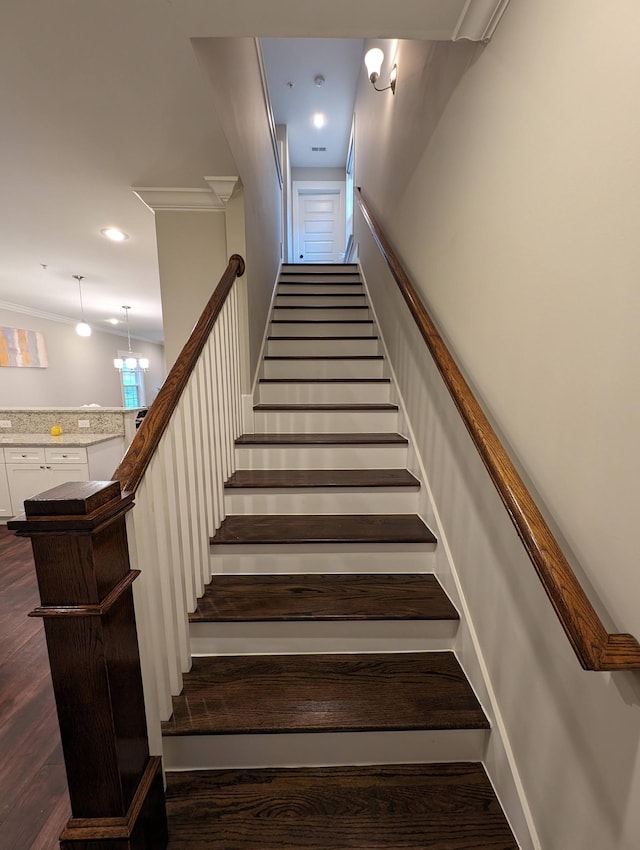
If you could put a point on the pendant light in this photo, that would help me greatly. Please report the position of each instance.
(82, 328)
(130, 362)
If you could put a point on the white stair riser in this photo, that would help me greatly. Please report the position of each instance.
(321, 289)
(302, 300)
(319, 500)
(321, 329)
(324, 314)
(314, 393)
(202, 752)
(325, 421)
(294, 638)
(323, 368)
(319, 269)
(284, 559)
(321, 457)
(309, 347)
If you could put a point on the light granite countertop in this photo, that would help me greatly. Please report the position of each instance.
(70, 440)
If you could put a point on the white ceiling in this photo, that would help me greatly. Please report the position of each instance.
(96, 97)
(291, 66)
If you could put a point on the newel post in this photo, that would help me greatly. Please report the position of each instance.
(79, 542)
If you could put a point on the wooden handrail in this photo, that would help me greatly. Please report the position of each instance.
(154, 424)
(595, 647)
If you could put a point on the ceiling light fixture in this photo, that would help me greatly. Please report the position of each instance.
(114, 234)
(318, 80)
(82, 328)
(113, 321)
(130, 362)
(373, 60)
(319, 120)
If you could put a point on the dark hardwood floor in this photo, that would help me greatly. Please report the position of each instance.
(34, 804)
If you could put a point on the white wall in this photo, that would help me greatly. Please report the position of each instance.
(233, 70)
(506, 177)
(321, 175)
(192, 256)
(80, 369)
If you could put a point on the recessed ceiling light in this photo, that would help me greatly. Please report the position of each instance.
(319, 120)
(114, 234)
(113, 321)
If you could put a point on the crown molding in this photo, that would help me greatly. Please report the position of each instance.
(222, 187)
(65, 320)
(479, 19)
(167, 198)
(39, 314)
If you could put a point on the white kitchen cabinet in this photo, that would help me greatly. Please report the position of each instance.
(28, 470)
(25, 480)
(5, 499)
(32, 470)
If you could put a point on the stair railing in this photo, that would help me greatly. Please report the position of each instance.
(176, 466)
(118, 647)
(595, 647)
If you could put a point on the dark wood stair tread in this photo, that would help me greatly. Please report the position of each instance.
(323, 356)
(280, 598)
(373, 807)
(323, 439)
(324, 381)
(321, 407)
(323, 528)
(247, 694)
(275, 478)
(295, 282)
(365, 336)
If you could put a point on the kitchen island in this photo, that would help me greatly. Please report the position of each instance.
(31, 463)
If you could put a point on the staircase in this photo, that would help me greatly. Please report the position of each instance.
(325, 708)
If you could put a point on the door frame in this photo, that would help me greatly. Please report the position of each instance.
(314, 187)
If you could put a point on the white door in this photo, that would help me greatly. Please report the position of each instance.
(319, 225)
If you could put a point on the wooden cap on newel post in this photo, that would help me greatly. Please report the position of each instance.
(79, 542)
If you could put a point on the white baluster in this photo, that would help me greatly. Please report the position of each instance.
(147, 559)
(216, 422)
(212, 435)
(203, 419)
(187, 500)
(155, 496)
(146, 645)
(197, 443)
(175, 552)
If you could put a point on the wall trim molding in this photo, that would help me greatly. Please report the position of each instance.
(165, 198)
(269, 111)
(504, 776)
(479, 19)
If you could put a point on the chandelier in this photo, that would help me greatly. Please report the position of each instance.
(130, 362)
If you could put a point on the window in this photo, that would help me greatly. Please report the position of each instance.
(132, 385)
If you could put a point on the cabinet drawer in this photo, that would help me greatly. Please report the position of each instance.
(63, 455)
(24, 455)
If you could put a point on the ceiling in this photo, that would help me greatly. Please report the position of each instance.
(292, 66)
(98, 97)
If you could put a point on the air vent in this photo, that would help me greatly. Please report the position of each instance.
(318, 149)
